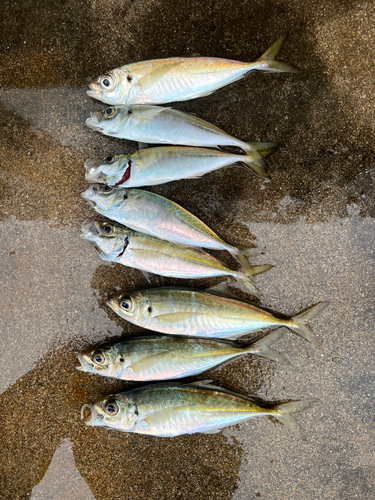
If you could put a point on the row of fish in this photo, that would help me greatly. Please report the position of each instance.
(162, 237)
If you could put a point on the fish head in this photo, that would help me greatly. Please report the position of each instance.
(109, 236)
(131, 306)
(105, 198)
(103, 360)
(108, 170)
(113, 87)
(115, 411)
(109, 121)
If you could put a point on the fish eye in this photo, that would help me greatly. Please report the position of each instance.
(129, 78)
(107, 188)
(108, 229)
(106, 81)
(126, 303)
(112, 408)
(109, 112)
(109, 159)
(98, 357)
(130, 111)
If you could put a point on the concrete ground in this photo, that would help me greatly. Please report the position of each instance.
(314, 221)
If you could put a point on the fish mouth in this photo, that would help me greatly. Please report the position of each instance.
(94, 172)
(91, 164)
(93, 122)
(89, 231)
(95, 418)
(95, 90)
(112, 303)
(86, 363)
(91, 93)
(89, 194)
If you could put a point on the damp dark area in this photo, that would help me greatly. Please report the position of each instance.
(313, 221)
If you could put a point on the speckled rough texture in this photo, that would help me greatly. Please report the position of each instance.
(313, 221)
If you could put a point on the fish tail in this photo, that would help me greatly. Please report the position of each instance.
(241, 252)
(262, 347)
(299, 323)
(244, 277)
(265, 148)
(254, 160)
(254, 270)
(267, 61)
(247, 284)
(283, 412)
(256, 151)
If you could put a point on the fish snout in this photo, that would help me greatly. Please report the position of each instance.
(86, 363)
(89, 231)
(94, 88)
(94, 172)
(94, 121)
(90, 193)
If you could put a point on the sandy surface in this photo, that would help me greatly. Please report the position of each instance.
(313, 221)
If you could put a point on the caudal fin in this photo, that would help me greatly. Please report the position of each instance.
(241, 252)
(265, 148)
(244, 277)
(262, 347)
(267, 61)
(254, 270)
(284, 411)
(299, 323)
(256, 165)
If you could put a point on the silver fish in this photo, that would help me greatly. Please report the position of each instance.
(157, 125)
(173, 409)
(203, 313)
(152, 214)
(150, 254)
(153, 166)
(165, 358)
(178, 78)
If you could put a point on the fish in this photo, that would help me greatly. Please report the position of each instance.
(157, 216)
(119, 244)
(160, 165)
(164, 357)
(204, 313)
(173, 408)
(158, 125)
(174, 79)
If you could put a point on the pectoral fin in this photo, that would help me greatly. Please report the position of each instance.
(152, 77)
(150, 361)
(148, 114)
(159, 418)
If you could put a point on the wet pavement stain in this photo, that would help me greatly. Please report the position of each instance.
(56, 285)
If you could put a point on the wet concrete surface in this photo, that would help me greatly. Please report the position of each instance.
(313, 221)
